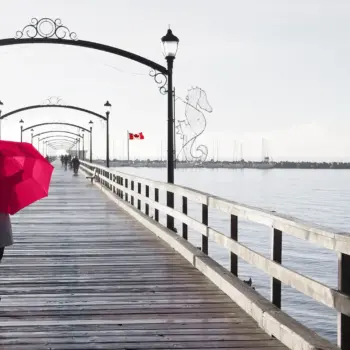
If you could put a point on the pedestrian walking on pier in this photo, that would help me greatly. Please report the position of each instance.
(5, 233)
(21, 183)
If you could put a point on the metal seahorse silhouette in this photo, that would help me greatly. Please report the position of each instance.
(194, 125)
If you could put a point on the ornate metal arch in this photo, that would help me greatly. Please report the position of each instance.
(58, 137)
(52, 31)
(61, 142)
(55, 123)
(57, 147)
(58, 141)
(59, 131)
(23, 109)
(61, 145)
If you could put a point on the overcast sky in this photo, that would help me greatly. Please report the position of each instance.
(278, 70)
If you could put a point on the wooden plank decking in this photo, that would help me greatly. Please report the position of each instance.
(84, 275)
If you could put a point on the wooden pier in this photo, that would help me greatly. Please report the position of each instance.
(85, 273)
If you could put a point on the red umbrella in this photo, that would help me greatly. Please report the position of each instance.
(25, 176)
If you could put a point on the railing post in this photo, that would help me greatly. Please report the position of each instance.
(122, 184)
(132, 189)
(126, 186)
(184, 211)
(276, 255)
(147, 205)
(119, 183)
(170, 203)
(234, 236)
(205, 222)
(156, 199)
(139, 192)
(344, 287)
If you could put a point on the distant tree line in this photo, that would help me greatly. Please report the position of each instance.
(251, 164)
(312, 165)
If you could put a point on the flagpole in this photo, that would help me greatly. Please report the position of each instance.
(127, 141)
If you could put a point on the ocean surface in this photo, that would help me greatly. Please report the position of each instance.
(318, 196)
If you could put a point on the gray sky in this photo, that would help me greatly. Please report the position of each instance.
(274, 69)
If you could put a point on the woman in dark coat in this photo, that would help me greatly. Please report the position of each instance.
(5, 233)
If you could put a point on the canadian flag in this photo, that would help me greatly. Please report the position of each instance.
(138, 136)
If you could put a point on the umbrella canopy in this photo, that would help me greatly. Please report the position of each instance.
(25, 176)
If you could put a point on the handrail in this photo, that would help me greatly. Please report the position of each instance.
(324, 236)
(131, 188)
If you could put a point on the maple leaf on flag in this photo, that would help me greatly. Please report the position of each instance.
(138, 136)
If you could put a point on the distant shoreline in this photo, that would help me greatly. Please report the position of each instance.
(231, 165)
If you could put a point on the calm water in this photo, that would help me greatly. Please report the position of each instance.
(319, 196)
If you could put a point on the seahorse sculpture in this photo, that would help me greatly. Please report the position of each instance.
(194, 125)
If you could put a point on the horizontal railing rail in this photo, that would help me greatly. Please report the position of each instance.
(136, 190)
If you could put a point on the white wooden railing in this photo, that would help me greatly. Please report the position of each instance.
(136, 191)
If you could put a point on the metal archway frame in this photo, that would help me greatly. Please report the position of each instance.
(56, 123)
(106, 119)
(60, 144)
(66, 124)
(27, 108)
(37, 33)
(63, 138)
(58, 139)
(58, 131)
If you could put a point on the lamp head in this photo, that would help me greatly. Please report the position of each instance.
(108, 106)
(170, 44)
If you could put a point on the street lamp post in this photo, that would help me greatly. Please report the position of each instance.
(78, 146)
(83, 136)
(108, 111)
(21, 123)
(170, 45)
(91, 123)
(32, 130)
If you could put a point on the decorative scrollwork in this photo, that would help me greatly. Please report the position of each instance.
(53, 101)
(46, 28)
(160, 79)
